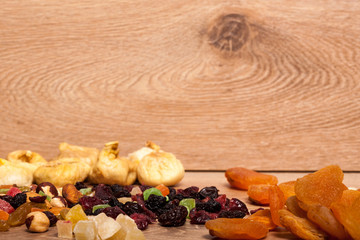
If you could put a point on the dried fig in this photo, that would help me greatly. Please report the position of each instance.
(85, 154)
(14, 173)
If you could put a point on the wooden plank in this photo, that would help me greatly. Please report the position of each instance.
(265, 84)
(200, 179)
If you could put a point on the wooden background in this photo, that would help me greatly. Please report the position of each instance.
(270, 85)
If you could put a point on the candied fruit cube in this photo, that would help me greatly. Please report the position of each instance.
(85, 230)
(64, 229)
(75, 214)
(107, 227)
(129, 228)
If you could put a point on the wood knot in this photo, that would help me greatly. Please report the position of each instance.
(229, 32)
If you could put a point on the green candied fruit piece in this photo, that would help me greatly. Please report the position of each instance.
(41, 193)
(85, 191)
(189, 203)
(96, 207)
(4, 190)
(150, 191)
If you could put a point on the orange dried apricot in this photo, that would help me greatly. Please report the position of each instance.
(259, 193)
(325, 219)
(263, 216)
(323, 186)
(163, 189)
(242, 178)
(347, 212)
(4, 215)
(277, 202)
(288, 188)
(301, 227)
(292, 204)
(236, 228)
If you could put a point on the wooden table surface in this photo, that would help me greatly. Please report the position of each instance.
(189, 231)
(249, 82)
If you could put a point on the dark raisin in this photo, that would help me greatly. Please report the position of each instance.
(120, 191)
(201, 217)
(98, 211)
(155, 202)
(144, 187)
(7, 198)
(103, 192)
(80, 185)
(210, 205)
(114, 202)
(131, 207)
(236, 204)
(88, 202)
(211, 192)
(178, 196)
(172, 193)
(142, 221)
(18, 200)
(231, 214)
(52, 218)
(174, 217)
(113, 212)
(168, 206)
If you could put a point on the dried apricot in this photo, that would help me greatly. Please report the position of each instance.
(347, 212)
(242, 178)
(292, 204)
(236, 228)
(277, 202)
(4, 215)
(325, 219)
(288, 188)
(259, 193)
(301, 227)
(263, 216)
(323, 186)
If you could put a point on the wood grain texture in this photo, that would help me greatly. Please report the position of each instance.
(190, 231)
(271, 85)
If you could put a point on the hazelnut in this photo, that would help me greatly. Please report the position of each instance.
(58, 201)
(71, 194)
(48, 188)
(37, 222)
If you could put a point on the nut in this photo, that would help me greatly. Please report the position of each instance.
(58, 201)
(48, 188)
(37, 222)
(71, 194)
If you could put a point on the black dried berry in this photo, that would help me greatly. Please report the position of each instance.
(231, 214)
(172, 193)
(211, 192)
(174, 217)
(103, 192)
(210, 206)
(18, 200)
(114, 202)
(131, 207)
(168, 206)
(236, 204)
(155, 202)
(120, 191)
(52, 218)
(80, 185)
(190, 192)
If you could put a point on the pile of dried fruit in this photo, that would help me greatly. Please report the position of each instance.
(316, 206)
(87, 211)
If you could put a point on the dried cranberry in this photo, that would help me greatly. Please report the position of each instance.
(120, 191)
(52, 218)
(201, 217)
(231, 214)
(80, 185)
(236, 204)
(190, 192)
(113, 212)
(38, 199)
(141, 220)
(174, 217)
(139, 199)
(88, 202)
(223, 201)
(131, 207)
(103, 192)
(211, 192)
